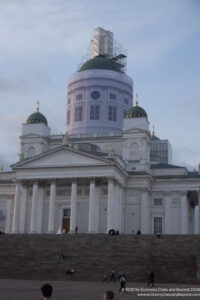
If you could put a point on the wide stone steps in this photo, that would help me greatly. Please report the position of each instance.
(173, 258)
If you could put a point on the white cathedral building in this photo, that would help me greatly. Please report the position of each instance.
(107, 172)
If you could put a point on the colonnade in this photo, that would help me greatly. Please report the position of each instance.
(114, 207)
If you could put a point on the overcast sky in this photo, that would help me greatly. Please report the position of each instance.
(43, 41)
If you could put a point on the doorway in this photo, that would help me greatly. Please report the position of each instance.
(66, 220)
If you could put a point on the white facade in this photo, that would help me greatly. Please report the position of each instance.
(114, 187)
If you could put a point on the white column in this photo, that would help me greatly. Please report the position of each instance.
(167, 212)
(34, 208)
(52, 204)
(110, 219)
(8, 216)
(23, 210)
(198, 193)
(40, 209)
(116, 207)
(120, 209)
(73, 207)
(97, 199)
(196, 219)
(16, 208)
(144, 212)
(92, 219)
(184, 213)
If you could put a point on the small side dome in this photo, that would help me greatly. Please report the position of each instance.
(101, 62)
(153, 136)
(37, 117)
(136, 111)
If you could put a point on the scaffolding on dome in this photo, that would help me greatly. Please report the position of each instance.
(104, 44)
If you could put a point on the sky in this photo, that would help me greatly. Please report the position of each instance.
(43, 41)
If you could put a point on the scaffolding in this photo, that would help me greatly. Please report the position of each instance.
(104, 44)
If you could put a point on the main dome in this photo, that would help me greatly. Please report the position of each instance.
(101, 62)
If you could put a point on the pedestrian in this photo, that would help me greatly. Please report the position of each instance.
(105, 279)
(113, 276)
(122, 282)
(76, 229)
(151, 279)
(108, 295)
(47, 291)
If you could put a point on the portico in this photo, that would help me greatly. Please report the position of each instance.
(84, 194)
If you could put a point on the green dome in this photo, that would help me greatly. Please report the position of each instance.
(154, 138)
(101, 62)
(136, 112)
(36, 117)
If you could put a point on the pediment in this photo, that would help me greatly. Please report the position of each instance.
(61, 157)
(134, 130)
(31, 135)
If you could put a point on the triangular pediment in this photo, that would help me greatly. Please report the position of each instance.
(31, 135)
(134, 130)
(61, 157)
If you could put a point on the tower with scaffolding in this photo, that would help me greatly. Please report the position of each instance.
(104, 44)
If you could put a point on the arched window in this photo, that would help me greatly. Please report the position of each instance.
(31, 151)
(135, 152)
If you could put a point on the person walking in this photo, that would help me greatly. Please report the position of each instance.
(151, 279)
(122, 281)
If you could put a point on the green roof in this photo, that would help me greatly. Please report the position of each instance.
(136, 112)
(164, 166)
(193, 174)
(36, 117)
(154, 138)
(101, 62)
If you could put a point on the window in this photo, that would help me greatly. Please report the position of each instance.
(135, 152)
(79, 192)
(66, 212)
(78, 113)
(125, 101)
(157, 202)
(157, 225)
(95, 95)
(31, 152)
(112, 113)
(79, 97)
(94, 112)
(113, 96)
(86, 192)
(61, 193)
(68, 117)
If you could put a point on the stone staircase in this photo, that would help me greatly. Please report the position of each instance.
(173, 258)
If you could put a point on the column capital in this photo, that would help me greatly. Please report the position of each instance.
(183, 193)
(53, 181)
(74, 180)
(167, 193)
(35, 181)
(18, 181)
(92, 180)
